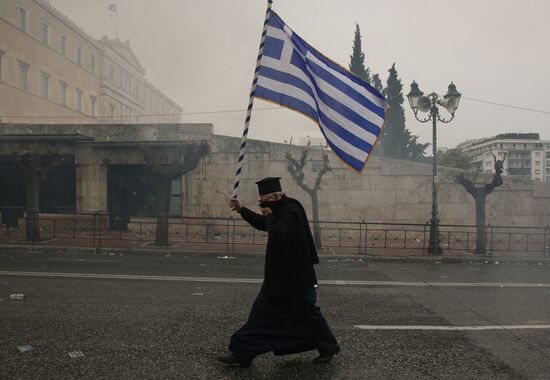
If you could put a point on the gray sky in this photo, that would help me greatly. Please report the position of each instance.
(203, 53)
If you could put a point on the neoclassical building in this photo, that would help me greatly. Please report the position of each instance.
(53, 71)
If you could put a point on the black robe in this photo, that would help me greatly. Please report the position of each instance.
(290, 251)
(284, 318)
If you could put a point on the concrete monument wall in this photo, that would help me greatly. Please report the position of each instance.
(387, 190)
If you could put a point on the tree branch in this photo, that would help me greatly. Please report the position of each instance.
(296, 170)
(186, 159)
(326, 168)
(467, 184)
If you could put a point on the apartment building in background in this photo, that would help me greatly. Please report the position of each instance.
(527, 156)
(51, 71)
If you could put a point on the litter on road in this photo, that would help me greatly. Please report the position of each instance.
(25, 348)
(76, 354)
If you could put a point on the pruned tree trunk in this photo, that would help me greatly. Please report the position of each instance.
(32, 208)
(481, 229)
(296, 169)
(34, 167)
(170, 164)
(315, 212)
(480, 196)
(161, 236)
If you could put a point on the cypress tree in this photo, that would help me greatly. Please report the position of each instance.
(357, 58)
(377, 83)
(397, 141)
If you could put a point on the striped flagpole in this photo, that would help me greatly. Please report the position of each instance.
(251, 103)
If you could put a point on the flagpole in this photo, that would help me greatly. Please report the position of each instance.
(251, 103)
(116, 15)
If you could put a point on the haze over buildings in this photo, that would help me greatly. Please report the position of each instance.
(525, 155)
(202, 54)
(51, 70)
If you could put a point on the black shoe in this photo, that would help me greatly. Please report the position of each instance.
(327, 356)
(233, 361)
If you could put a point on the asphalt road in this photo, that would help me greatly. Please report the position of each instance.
(159, 317)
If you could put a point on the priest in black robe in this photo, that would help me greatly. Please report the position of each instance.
(284, 317)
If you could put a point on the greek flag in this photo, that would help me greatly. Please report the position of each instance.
(349, 112)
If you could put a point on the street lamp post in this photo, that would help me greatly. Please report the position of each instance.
(429, 104)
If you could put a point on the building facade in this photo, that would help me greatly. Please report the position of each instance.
(527, 156)
(53, 71)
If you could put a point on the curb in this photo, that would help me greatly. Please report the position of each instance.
(156, 251)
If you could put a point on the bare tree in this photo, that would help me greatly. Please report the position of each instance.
(480, 195)
(296, 170)
(34, 168)
(170, 163)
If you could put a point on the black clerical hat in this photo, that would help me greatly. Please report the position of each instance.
(269, 185)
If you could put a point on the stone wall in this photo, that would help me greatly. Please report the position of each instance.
(105, 144)
(387, 190)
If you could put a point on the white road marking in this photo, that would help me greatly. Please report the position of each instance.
(451, 328)
(258, 280)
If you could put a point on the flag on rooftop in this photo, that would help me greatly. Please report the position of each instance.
(349, 112)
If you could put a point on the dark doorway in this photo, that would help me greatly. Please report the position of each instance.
(132, 190)
(12, 192)
(57, 191)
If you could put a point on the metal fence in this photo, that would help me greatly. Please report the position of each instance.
(366, 238)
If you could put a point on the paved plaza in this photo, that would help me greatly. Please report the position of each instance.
(147, 316)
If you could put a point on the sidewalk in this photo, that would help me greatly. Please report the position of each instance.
(144, 248)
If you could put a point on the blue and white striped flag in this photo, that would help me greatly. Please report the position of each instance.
(293, 74)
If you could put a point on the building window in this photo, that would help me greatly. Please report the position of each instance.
(23, 75)
(112, 75)
(175, 198)
(63, 92)
(79, 55)
(93, 64)
(63, 87)
(63, 46)
(79, 99)
(23, 19)
(45, 33)
(112, 110)
(93, 100)
(45, 81)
